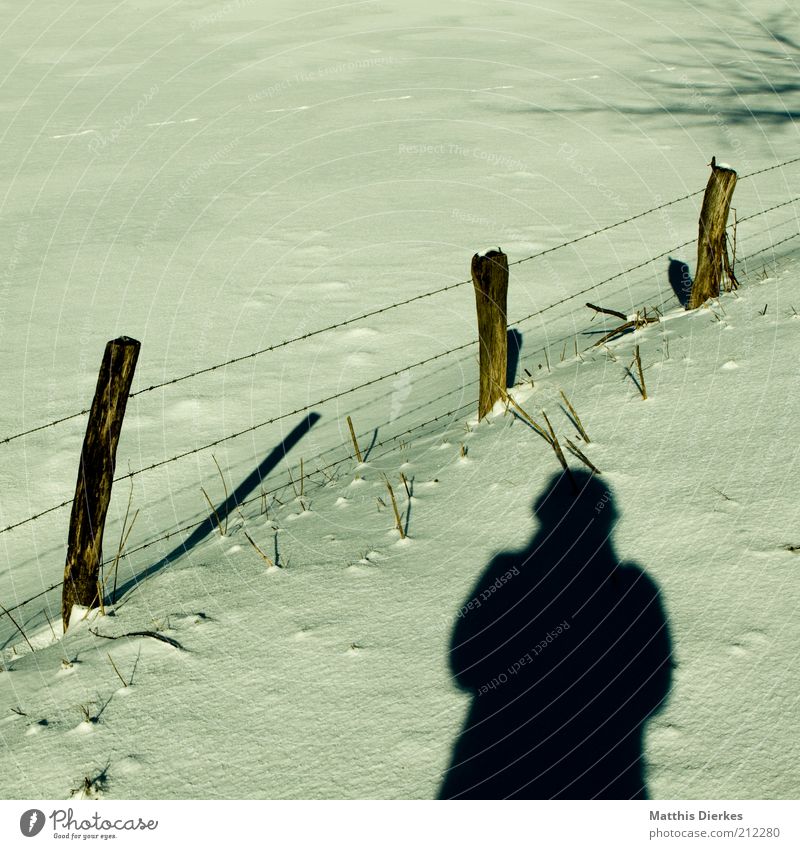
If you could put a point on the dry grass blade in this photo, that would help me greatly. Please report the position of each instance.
(729, 262)
(214, 511)
(264, 557)
(582, 457)
(123, 541)
(537, 427)
(225, 488)
(111, 659)
(642, 387)
(399, 524)
(576, 418)
(558, 452)
(18, 627)
(291, 481)
(355, 441)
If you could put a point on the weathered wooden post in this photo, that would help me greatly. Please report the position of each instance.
(712, 245)
(490, 281)
(95, 476)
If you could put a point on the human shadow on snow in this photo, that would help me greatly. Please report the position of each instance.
(566, 652)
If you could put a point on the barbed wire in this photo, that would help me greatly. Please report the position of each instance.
(32, 598)
(602, 282)
(351, 456)
(243, 432)
(309, 407)
(378, 379)
(770, 168)
(770, 247)
(36, 516)
(45, 426)
(279, 488)
(304, 409)
(370, 314)
(768, 209)
(605, 229)
(333, 464)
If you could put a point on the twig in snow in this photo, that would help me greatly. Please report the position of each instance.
(154, 634)
(607, 311)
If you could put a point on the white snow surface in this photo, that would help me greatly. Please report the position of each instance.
(213, 179)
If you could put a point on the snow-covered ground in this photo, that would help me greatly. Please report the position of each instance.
(215, 178)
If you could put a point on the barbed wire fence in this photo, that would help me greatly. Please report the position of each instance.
(391, 440)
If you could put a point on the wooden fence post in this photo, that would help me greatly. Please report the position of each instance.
(490, 281)
(95, 476)
(712, 245)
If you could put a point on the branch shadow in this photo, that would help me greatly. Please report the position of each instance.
(567, 654)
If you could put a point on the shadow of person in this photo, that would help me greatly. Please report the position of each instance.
(567, 653)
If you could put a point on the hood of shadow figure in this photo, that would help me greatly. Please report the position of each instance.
(577, 506)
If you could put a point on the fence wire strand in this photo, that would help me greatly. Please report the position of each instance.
(346, 322)
(279, 488)
(418, 364)
(395, 373)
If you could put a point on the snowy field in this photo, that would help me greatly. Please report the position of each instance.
(215, 179)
